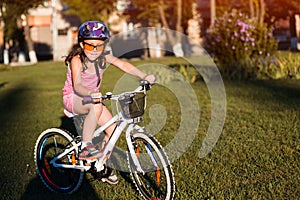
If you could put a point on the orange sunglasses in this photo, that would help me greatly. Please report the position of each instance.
(91, 47)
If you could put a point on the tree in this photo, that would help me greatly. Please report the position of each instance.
(257, 10)
(212, 11)
(91, 9)
(175, 42)
(11, 11)
(173, 14)
(263, 10)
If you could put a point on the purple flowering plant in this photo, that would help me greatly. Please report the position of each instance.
(238, 42)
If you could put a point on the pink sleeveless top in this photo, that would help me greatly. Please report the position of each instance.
(89, 80)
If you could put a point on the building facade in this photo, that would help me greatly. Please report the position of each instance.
(41, 20)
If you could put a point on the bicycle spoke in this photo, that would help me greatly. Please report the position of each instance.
(157, 181)
(49, 145)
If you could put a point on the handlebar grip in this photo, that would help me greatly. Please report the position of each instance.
(146, 84)
(87, 100)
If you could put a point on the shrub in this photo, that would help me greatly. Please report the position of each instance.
(238, 44)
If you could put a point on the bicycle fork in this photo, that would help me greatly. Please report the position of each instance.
(131, 147)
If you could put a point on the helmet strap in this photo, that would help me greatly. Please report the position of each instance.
(98, 63)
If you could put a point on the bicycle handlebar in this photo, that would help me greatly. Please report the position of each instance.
(144, 85)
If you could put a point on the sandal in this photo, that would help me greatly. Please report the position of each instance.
(89, 152)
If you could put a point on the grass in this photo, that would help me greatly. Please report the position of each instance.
(256, 157)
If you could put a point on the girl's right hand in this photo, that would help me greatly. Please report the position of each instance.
(96, 97)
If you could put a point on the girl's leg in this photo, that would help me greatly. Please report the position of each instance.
(93, 112)
(105, 117)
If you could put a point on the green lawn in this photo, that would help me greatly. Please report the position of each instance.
(257, 155)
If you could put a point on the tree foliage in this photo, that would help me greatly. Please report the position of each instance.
(91, 9)
(274, 8)
(280, 8)
(149, 11)
(11, 11)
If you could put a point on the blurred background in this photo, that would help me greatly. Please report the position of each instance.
(46, 29)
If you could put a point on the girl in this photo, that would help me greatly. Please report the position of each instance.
(86, 64)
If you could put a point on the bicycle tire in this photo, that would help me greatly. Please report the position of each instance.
(157, 182)
(61, 180)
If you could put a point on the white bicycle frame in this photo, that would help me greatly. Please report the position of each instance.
(106, 151)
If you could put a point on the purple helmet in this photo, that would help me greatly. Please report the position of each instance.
(93, 30)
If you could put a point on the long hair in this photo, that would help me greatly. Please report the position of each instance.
(77, 50)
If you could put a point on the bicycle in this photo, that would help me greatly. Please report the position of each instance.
(56, 151)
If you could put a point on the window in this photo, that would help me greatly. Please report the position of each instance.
(63, 31)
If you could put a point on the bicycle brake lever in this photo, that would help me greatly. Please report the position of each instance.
(108, 95)
(149, 85)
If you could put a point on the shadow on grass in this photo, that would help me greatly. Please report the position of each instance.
(14, 105)
(11, 103)
(17, 184)
(285, 92)
(36, 191)
(264, 92)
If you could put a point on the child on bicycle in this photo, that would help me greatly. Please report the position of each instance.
(86, 63)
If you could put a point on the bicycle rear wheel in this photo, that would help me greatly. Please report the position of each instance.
(157, 181)
(50, 143)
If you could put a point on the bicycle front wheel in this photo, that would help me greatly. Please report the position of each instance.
(51, 143)
(156, 180)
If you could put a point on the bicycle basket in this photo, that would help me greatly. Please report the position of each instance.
(133, 104)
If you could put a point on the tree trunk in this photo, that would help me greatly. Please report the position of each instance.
(177, 48)
(6, 53)
(165, 23)
(251, 8)
(175, 41)
(262, 12)
(32, 54)
(256, 9)
(212, 12)
(179, 16)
